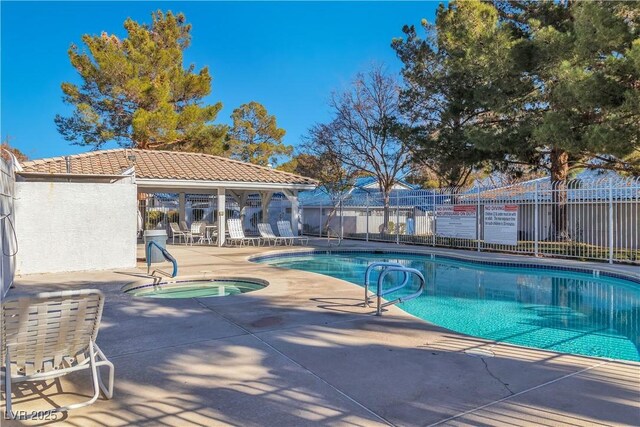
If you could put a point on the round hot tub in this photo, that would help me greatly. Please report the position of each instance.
(198, 288)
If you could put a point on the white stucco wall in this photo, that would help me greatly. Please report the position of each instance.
(73, 226)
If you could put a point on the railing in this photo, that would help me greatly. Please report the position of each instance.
(367, 276)
(166, 256)
(388, 268)
(156, 211)
(591, 219)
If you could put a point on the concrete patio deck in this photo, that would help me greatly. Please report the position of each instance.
(304, 351)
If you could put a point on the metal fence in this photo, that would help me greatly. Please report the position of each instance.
(8, 242)
(594, 219)
(156, 211)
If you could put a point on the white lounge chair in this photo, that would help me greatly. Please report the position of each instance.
(176, 231)
(267, 234)
(236, 233)
(284, 228)
(184, 226)
(52, 334)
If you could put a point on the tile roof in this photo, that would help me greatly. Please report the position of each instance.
(156, 164)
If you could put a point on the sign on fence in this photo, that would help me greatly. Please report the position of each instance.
(456, 221)
(501, 224)
(599, 216)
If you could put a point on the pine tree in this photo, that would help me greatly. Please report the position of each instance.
(455, 77)
(137, 92)
(550, 85)
(582, 62)
(255, 136)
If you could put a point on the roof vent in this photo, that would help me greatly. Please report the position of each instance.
(67, 161)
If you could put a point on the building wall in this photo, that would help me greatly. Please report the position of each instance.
(587, 223)
(73, 226)
(355, 220)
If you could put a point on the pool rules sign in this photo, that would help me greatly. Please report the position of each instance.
(501, 224)
(456, 221)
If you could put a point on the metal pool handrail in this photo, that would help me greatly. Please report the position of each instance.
(406, 271)
(367, 276)
(165, 254)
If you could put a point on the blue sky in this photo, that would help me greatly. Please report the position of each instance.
(288, 56)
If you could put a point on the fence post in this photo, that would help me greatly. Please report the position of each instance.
(320, 227)
(341, 221)
(367, 212)
(478, 219)
(536, 219)
(397, 219)
(610, 220)
(433, 219)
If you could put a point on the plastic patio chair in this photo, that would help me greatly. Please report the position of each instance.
(176, 231)
(236, 233)
(267, 234)
(197, 231)
(284, 228)
(52, 334)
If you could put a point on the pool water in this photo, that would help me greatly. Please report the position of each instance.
(557, 310)
(194, 289)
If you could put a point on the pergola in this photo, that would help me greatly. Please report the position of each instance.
(157, 171)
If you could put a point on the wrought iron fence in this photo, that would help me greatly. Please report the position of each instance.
(586, 219)
(156, 211)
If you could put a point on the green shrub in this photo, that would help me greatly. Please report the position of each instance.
(391, 229)
(154, 218)
(401, 228)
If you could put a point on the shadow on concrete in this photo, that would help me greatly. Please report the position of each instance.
(260, 360)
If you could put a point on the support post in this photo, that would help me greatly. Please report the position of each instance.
(397, 218)
(536, 220)
(265, 199)
(433, 219)
(367, 238)
(611, 239)
(242, 198)
(222, 220)
(341, 221)
(478, 219)
(182, 202)
(295, 212)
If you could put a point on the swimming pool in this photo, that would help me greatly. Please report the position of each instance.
(203, 288)
(560, 310)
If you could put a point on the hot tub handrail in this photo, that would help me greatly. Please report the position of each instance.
(165, 253)
(380, 293)
(367, 276)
